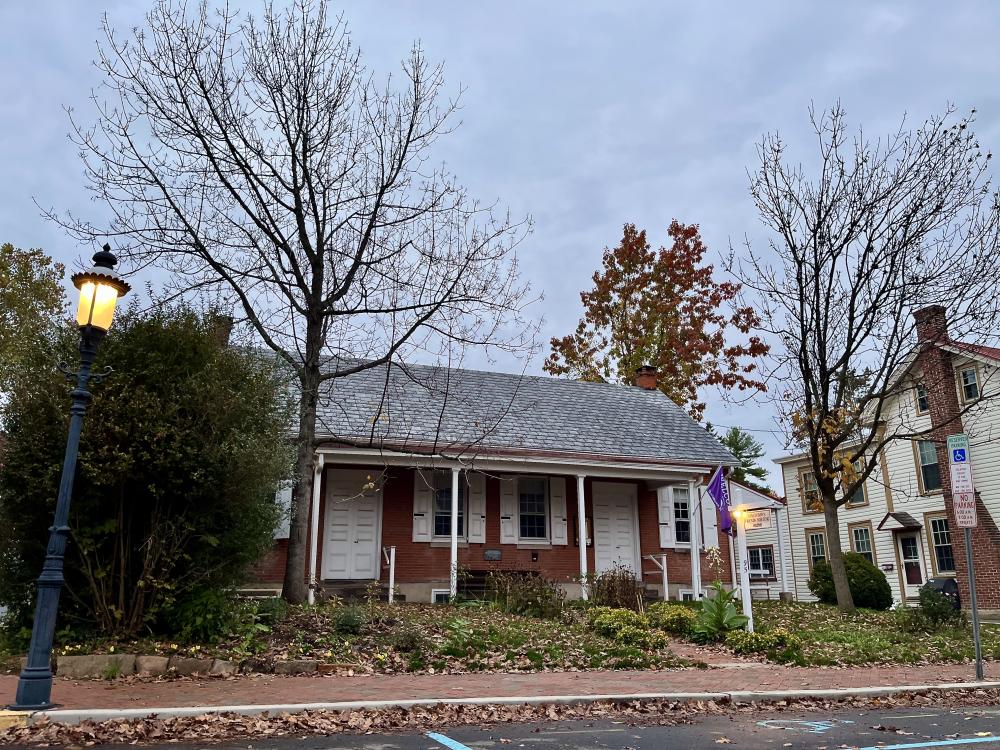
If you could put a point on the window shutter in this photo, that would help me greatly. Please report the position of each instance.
(557, 510)
(423, 506)
(666, 513)
(476, 519)
(709, 522)
(508, 511)
(283, 499)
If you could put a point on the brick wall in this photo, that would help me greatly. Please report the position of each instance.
(429, 563)
(935, 365)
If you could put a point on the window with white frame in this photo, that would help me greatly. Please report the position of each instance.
(533, 508)
(923, 404)
(682, 515)
(944, 555)
(969, 380)
(817, 547)
(858, 496)
(930, 472)
(811, 502)
(442, 504)
(861, 542)
(761, 561)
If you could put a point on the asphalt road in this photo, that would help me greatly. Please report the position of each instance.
(903, 729)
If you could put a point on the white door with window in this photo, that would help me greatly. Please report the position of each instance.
(352, 527)
(911, 561)
(616, 531)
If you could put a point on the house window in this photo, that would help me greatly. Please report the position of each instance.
(861, 542)
(858, 496)
(944, 555)
(817, 547)
(761, 563)
(442, 504)
(532, 508)
(811, 502)
(441, 596)
(923, 405)
(970, 383)
(682, 515)
(930, 473)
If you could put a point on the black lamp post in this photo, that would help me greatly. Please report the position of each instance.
(100, 287)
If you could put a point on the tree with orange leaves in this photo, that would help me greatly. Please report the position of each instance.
(662, 308)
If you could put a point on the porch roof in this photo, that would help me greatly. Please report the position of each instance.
(427, 409)
(898, 521)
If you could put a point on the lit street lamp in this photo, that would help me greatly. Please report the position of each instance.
(100, 287)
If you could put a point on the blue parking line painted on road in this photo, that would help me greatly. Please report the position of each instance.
(934, 743)
(448, 742)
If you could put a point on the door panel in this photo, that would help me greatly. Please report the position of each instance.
(912, 562)
(614, 527)
(351, 540)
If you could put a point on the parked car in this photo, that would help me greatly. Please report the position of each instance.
(948, 587)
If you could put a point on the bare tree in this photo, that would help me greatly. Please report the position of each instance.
(871, 233)
(257, 158)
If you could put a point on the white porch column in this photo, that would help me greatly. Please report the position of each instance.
(744, 566)
(318, 463)
(453, 579)
(581, 524)
(782, 557)
(694, 518)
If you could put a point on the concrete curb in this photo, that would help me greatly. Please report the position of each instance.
(75, 716)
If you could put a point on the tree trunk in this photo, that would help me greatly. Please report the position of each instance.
(834, 551)
(295, 590)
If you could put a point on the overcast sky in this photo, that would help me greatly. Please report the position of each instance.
(584, 115)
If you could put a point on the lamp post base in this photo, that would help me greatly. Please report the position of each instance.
(34, 690)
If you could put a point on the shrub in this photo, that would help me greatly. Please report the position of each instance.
(350, 620)
(717, 616)
(408, 640)
(174, 489)
(617, 587)
(626, 627)
(676, 619)
(203, 616)
(779, 639)
(935, 611)
(869, 587)
(524, 593)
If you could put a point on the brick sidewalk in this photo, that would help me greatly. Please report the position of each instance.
(274, 689)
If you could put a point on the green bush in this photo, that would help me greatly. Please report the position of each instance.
(675, 619)
(174, 491)
(625, 626)
(717, 616)
(743, 642)
(350, 620)
(408, 640)
(869, 587)
(934, 612)
(617, 587)
(524, 593)
(203, 616)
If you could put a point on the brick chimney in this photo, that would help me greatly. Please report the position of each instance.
(932, 324)
(645, 378)
(221, 328)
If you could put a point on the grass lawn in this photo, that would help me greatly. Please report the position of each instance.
(831, 638)
(377, 637)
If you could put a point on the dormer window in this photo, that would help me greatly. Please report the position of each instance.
(969, 382)
(923, 405)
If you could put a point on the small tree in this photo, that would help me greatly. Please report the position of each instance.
(661, 308)
(31, 303)
(184, 446)
(748, 451)
(875, 231)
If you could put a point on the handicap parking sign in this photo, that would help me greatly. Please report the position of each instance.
(958, 456)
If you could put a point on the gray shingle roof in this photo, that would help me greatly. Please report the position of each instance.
(419, 404)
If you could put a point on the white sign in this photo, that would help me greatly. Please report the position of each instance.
(965, 510)
(758, 519)
(963, 494)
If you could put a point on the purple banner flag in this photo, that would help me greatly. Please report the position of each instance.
(718, 490)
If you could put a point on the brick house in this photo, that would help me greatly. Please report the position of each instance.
(554, 476)
(903, 518)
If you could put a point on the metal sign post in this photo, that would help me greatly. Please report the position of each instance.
(963, 496)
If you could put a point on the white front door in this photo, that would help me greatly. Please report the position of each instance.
(615, 526)
(352, 527)
(911, 561)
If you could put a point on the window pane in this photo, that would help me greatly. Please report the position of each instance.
(532, 511)
(810, 492)
(943, 553)
(930, 474)
(817, 547)
(922, 403)
(442, 505)
(862, 540)
(682, 517)
(970, 384)
(761, 562)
